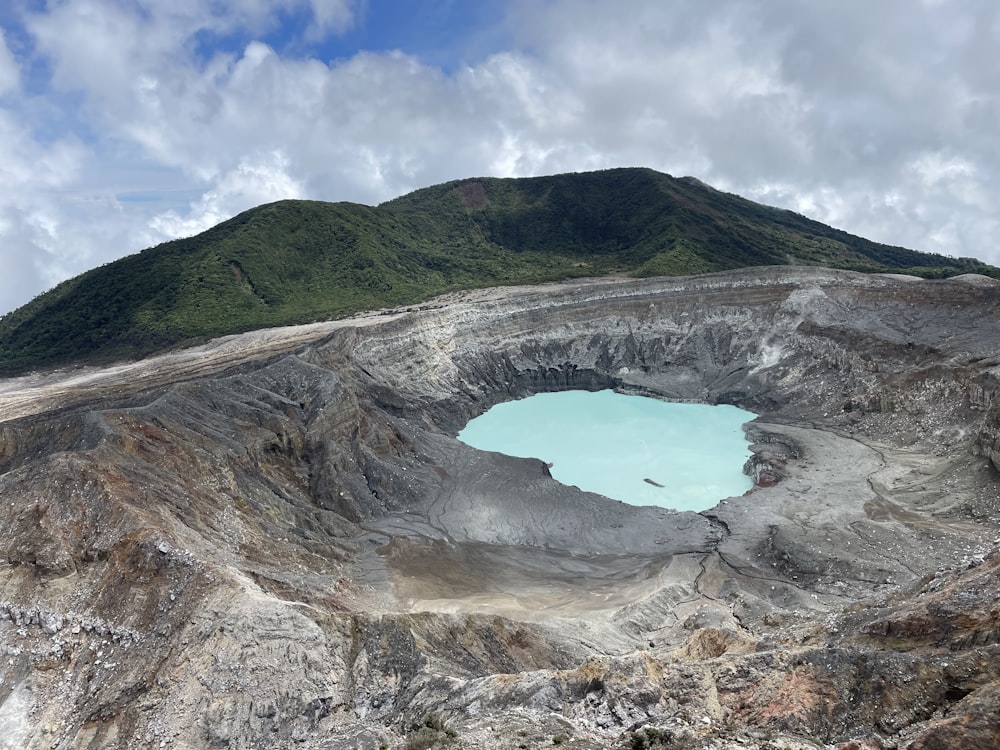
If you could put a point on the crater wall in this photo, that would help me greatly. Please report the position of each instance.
(276, 540)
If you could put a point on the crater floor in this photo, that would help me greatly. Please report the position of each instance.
(275, 540)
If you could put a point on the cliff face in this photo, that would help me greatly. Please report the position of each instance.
(276, 541)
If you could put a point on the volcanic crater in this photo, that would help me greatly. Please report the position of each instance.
(275, 539)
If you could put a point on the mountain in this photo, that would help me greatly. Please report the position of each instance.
(300, 261)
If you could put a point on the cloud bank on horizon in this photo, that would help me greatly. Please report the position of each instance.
(125, 123)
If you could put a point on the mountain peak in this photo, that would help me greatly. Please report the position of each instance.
(298, 261)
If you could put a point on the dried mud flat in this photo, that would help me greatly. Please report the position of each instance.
(274, 539)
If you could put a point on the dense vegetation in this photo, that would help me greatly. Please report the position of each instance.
(300, 261)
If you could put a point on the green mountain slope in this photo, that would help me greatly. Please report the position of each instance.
(299, 261)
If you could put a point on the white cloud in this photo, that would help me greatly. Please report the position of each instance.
(251, 183)
(10, 72)
(33, 208)
(330, 17)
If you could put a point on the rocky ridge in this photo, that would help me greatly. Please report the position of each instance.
(275, 540)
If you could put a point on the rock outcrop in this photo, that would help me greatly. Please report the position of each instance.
(275, 540)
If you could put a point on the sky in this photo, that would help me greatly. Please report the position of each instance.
(126, 123)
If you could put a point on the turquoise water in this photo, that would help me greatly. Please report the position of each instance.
(624, 446)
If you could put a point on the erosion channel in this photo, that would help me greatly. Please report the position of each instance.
(276, 540)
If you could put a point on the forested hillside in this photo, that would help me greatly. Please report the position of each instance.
(300, 261)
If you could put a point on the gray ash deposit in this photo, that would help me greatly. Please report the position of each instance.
(275, 540)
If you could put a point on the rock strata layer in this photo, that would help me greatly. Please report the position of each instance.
(275, 540)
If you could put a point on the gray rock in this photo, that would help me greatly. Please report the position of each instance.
(275, 540)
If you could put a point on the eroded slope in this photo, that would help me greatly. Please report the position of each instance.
(276, 540)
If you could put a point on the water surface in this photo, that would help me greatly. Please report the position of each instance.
(635, 449)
